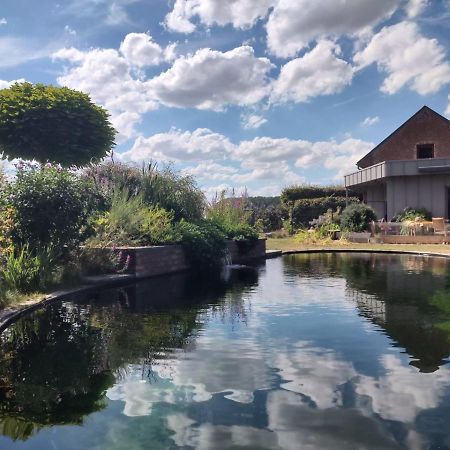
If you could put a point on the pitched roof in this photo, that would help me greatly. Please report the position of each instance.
(424, 108)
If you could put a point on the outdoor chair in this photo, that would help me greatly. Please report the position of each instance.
(440, 227)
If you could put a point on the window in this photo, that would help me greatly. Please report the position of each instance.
(425, 151)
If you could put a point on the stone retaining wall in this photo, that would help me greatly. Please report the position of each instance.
(166, 259)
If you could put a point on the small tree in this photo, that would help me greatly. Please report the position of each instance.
(357, 217)
(53, 124)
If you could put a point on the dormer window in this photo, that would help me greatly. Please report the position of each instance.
(425, 151)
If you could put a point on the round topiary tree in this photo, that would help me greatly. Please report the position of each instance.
(53, 124)
(356, 217)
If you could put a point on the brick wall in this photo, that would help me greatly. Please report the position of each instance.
(166, 259)
(425, 127)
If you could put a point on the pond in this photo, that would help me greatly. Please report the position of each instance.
(321, 351)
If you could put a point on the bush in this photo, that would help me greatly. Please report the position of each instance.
(50, 205)
(411, 214)
(269, 218)
(304, 211)
(357, 217)
(204, 243)
(53, 124)
(130, 222)
(28, 270)
(232, 216)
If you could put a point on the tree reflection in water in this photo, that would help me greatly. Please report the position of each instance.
(57, 364)
(407, 296)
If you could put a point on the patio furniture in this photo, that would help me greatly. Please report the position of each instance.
(439, 226)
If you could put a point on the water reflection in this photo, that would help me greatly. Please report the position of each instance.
(310, 351)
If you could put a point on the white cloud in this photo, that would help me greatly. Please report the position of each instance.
(108, 76)
(140, 50)
(6, 84)
(3, 21)
(295, 23)
(369, 121)
(239, 13)
(176, 145)
(254, 160)
(319, 72)
(252, 121)
(210, 79)
(416, 7)
(408, 58)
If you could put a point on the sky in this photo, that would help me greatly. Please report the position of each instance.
(253, 95)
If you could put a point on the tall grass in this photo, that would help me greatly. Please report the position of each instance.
(28, 270)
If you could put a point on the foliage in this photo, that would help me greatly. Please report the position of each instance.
(164, 188)
(28, 270)
(51, 206)
(300, 192)
(204, 243)
(232, 215)
(304, 211)
(411, 214)
(6, 229)
(357, 217)
(130, 222)
(311, 237)
(53, 124)
(270, 218)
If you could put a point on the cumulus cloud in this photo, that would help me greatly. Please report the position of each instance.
(247, 161)
(239, 13)
(140, 50)
(369, 121)
(211, 79)
(3, 21)
(176, 145)
(107, 76)
(110, 77)
(295, 23)
(252, 121)
(416, 7)
(318, 72)
(6, 84)
(408, 58)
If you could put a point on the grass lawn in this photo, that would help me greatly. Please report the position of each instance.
(289, 243)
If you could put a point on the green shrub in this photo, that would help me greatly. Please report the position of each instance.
(53, 124)
(411, 214)
(28, 270)
(304, 211)
(51, 206)
(357, 217)
(130, 222)
(232, 215)
(204, 243)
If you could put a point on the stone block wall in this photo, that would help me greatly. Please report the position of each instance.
(239, 256)
(167, 259)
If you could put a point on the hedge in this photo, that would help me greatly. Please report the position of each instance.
(294, 193)
(305, 210)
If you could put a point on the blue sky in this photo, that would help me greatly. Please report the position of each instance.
(254, 94)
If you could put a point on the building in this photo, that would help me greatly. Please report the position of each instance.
(410, 168)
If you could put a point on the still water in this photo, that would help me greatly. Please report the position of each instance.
(330, 351)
